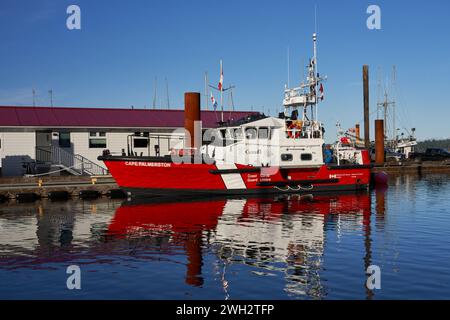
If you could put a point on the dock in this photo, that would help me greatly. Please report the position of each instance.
(96, 186)
(43, 186)
(412, 168)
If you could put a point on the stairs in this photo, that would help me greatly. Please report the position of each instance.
(75, 164)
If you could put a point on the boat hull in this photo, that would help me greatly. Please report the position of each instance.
(140, 176)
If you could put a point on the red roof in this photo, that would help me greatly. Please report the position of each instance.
(50, 117)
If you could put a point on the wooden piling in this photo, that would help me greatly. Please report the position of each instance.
(379, 142)
(366, 106)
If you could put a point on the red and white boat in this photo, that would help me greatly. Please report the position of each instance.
(269, 155)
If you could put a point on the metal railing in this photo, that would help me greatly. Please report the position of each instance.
(74, 163)
(156, 144)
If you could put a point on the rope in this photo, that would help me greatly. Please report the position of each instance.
(48, 173)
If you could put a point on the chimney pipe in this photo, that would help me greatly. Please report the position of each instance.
(192, 120)
(358, 132)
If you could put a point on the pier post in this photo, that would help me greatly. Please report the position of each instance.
(366, 106)
(192, 119)
(379, 142)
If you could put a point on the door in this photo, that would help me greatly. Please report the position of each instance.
(43, 146)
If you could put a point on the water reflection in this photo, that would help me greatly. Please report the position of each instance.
(282, 237)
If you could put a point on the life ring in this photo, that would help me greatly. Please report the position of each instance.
(291, 133)
(177, 152)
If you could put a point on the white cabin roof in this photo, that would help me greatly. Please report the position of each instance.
(266, 122)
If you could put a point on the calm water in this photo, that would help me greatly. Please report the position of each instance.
(291, 247)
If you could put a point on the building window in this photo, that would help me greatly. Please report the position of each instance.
(140, 143)
(97, 140)
(286, 157)
(64, 139)
(306, 157)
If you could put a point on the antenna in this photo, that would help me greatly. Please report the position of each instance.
(154, 95)
(51, 96)
(167, 93)
(232, 101)
(288, 67)
(315, 18)
(34, 98)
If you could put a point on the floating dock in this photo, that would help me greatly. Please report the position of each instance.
(45, 187)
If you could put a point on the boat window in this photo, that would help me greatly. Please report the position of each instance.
(306, 157)
(263, 133)
(286, 157)
(236, 134)
(64, 139)
(250, 133)
(142, 134)
(140, 143)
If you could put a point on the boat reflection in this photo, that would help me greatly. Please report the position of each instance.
(249, 239)
(282, 235)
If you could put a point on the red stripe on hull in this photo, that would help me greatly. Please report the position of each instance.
(198, 177)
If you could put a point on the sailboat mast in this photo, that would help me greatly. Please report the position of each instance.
(393, 106)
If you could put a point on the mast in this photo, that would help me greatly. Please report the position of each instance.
(389, 137)
(315, 73)
(221, 90)
(288, 67)
(393, 106)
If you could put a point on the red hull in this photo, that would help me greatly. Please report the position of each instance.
(150, 176)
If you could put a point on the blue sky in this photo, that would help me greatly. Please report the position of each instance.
(123, 45)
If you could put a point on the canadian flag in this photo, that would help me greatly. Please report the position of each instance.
(214, 102)
(220, 86)
(321, 92)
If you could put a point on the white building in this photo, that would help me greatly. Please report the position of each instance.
(43, 139)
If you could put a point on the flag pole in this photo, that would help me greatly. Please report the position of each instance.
(206, 90)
